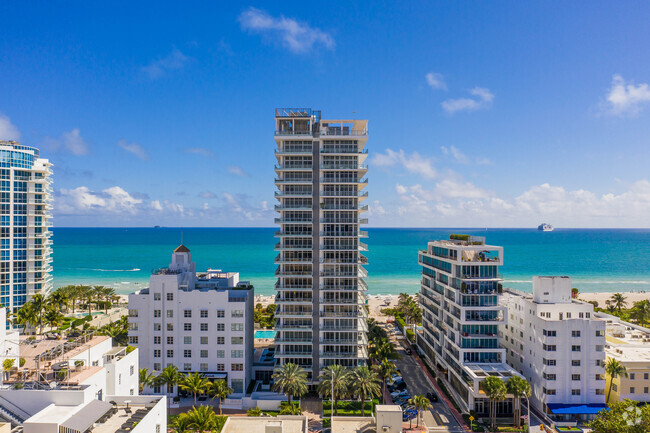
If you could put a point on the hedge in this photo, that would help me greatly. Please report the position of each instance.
(400, 323)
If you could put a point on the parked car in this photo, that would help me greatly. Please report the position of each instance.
(408, 351)
(399, 393)
(432, 397)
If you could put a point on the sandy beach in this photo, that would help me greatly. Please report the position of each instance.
(378, 302)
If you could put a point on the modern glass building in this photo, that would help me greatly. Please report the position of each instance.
(321, 315)
(25, 244)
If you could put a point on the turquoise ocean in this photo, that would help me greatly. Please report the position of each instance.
(598, 260)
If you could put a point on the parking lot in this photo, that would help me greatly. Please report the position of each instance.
(439, 418)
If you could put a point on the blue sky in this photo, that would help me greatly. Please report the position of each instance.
(488, 114)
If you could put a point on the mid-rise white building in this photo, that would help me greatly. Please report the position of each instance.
(459, 296)
(197, 322)
(558, 344)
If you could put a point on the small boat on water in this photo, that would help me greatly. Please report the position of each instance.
(545, 227)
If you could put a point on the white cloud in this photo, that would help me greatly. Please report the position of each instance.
(208, 194)
(200, 151)
(237, 170)
(74, 143)
(456, 203)
(483, 99)
(626, 99)
(134, 148)
(8, 131)
(456, 153)
(414, 163)
(296, 36)
(155, 205)
(436, 81)
(83, 201)
(173, 61)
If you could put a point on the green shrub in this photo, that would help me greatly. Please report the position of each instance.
(410, 335)
(457, 237)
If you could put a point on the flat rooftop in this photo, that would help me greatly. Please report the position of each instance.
(483, 370)
(629, 354)
(55, 350)
(289, 424)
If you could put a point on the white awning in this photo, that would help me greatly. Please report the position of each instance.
(87, 416)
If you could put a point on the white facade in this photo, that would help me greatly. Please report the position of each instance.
(25, 199)
(321, 318)
(557, 343)
(199, 323)
(9, 340)
(459, 297)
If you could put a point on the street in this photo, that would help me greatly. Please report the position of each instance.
(439, 418)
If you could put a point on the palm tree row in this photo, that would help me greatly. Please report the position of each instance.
(496, 390)
(194, 383)
(336, 382)
(42, 311)
(410, 308)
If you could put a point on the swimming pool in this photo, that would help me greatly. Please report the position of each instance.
(265, 334)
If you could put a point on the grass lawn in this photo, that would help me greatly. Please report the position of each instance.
(349, 408)
(569, 429)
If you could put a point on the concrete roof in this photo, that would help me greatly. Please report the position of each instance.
(289, 424)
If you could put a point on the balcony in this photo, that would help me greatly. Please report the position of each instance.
(293, 167)
(281, 313)
(343, 131)
(351, 234)
(280, 247)
(343, 167)
(340, 220)
(285, 194)
(329, 179)
(292, 181)
(361, 260)
(294, 151)
(279, 234)
(281, 260)
(346, 355)
(290, 273)
(292, 300)
(296, 287)
(290, 220)
(291, 353)
(339, 301)
(291, 327)
(279, 207)
(362, 194)
(343, 149)
(294, 340)
(345, 314)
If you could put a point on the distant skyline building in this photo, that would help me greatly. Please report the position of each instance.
(25, 204)
(558, 345)
(459, 296)
(198, 322)
(321, 315)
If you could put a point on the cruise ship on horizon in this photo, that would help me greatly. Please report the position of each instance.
(545, 227)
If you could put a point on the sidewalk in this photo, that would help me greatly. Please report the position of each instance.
(441, 394)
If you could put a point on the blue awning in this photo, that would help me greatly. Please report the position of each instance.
(576, 409)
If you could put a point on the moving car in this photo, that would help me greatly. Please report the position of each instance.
(432, 397)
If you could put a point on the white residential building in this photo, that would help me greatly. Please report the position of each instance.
(25, 244)
(558, 344)
(461, 314)
(321, 317)
(67, 386)
(9, 340)
(197, 322)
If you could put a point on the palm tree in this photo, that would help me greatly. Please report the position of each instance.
(58, 299)
(108, 293)
(168, 377)
(202, 419)
(518, 387)
(147, 378)
(74, 294)
(614, 369)
(385, 370)
(53, 317)
(381, 349)
(495, 390)
(7, 365)
(195, 383)
(220, 390)
(641, 311)
(618, 301)
(420, 403)
(25, 316)
(365, 383)
(334, 380)
(290, 379)
(181, 424)
(38, 304)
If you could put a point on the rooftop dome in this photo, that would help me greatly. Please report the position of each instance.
(182, 249)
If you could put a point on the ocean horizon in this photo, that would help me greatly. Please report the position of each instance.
(598, 260)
